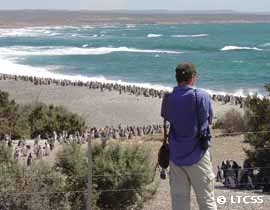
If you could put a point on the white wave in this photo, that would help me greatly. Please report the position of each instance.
(229, 48)
(154, 35)
(189, 35)
(108, 26)
(27, 32)
(56, 27)
(67, 27)
(130, 26)
(21, 51)
(85, 45)
(238, 93)
(54, 34)
(60, 27)
(238, 61)
(8, 67)
(88, 27)
(47, 32)
(40, 31)
(265, 45)
(17, 33)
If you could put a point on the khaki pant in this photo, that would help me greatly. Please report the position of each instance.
(201, 177)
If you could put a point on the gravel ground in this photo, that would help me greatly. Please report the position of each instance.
(162, 200)
(223, 148)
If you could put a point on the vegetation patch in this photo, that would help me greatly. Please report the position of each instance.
(29, 121)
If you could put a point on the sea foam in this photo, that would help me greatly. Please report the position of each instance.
(130, 26)
(238, 92)
(230, 48)
(189, 35)
(265, 45)
(76, 50)
(28, 32)
(154, 35)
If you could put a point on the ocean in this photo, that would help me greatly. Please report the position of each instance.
(230, 58)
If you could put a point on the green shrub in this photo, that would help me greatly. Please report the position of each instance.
(258, 120)
(46, 119)
(31, 120)
(22, 126)
(232, 121)
(35, 188)
(122, 175)
(118, 168)
(72, 162)
(8, 114)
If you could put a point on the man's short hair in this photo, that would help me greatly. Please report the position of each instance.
(184, 71)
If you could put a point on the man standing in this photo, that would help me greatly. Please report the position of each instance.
(189, 113)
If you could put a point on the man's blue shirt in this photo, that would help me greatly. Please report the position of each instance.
(180, 110)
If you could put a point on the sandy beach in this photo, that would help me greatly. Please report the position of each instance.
(98, 108)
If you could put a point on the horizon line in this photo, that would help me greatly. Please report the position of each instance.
(141, 10)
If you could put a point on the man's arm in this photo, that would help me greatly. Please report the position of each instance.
(205, 112)
(164, 107)
(210, 118)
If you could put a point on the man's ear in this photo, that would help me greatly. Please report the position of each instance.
(191, 81)
(193, 78)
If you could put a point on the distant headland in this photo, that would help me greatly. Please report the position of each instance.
(31, 18)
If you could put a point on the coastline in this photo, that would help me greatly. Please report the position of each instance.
(99, 108)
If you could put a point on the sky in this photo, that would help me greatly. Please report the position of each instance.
(237, 5)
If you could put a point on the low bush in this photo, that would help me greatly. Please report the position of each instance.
(46, 119)
(122, 175)
(25, 121)
(35, 188)
(232, 121)
(8, 114)
(72, 163)
(258, 121)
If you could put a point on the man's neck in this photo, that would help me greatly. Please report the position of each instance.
(182, 84)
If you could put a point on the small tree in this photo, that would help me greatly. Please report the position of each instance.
(267, 87)
(46, 119)
(123, 175)
(72, 162)
(31, 120)
(258, 121)
(8, 114)
(232, 121)
(37, 188)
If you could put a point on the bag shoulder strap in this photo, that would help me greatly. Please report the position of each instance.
(165, 137)
(197, 112)
(164, 106)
